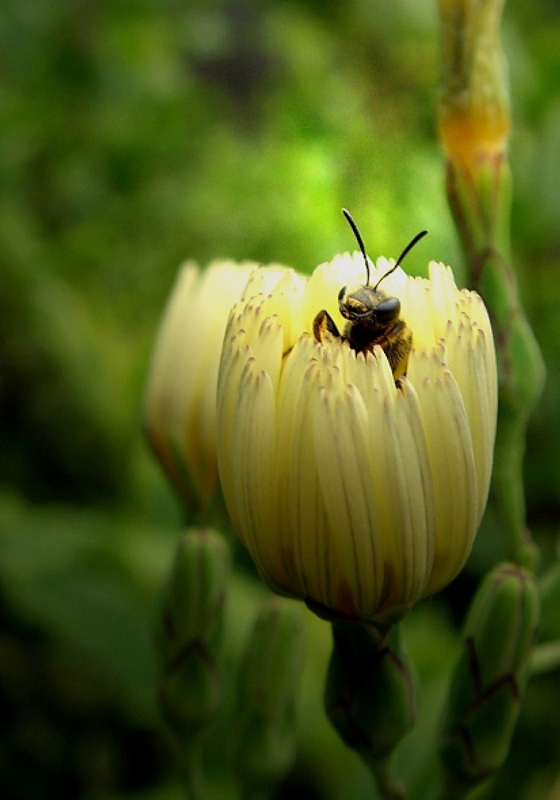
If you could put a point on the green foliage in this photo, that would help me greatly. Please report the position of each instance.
(133, 136)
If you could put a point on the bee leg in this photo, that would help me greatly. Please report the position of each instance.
(323, 325)
(397, 345)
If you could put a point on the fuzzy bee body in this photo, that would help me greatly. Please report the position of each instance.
(373, 318)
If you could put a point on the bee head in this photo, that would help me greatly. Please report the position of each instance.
(365, 302)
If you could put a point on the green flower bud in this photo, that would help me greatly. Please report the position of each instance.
(487, 686)
(273, 663)
(474, 119)
(190, 633)
(369, 694)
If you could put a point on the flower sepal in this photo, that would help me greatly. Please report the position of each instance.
(369, 695)
(382, 621)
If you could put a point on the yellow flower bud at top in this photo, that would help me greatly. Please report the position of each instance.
(352, 492)
(180, 400)
(474, 117)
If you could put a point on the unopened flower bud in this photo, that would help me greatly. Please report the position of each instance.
(369, 695)
(474, 112)
(487, 685)
(190, 633)
(265, 740)
(180, 407)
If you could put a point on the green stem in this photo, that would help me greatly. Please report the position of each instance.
(192, 774)
(383, 770)
(521, 378)
(480, 204)
(507, 486)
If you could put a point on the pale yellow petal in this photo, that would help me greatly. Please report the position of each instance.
(263, 280)
(305, 559)
(413, 539)
(453, 471)
(235, 355)
(342, 442)
(289, 298)
(252, 463)
(473, 365)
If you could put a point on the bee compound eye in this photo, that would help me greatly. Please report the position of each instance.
(388, 310)
(342, 294)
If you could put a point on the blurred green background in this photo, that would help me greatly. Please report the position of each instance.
(135, 135)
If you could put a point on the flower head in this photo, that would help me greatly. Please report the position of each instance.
(355, 493)
(180, 407)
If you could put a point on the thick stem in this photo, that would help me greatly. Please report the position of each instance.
(508, 490)
(521, 377)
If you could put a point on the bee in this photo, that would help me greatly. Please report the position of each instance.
(373, 317)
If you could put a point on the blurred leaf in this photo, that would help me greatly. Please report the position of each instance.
(64, 573)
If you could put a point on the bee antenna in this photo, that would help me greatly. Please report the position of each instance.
(350, 221)
(399, 260)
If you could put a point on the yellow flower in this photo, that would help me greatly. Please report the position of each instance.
(180, 399)
(352, 493)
